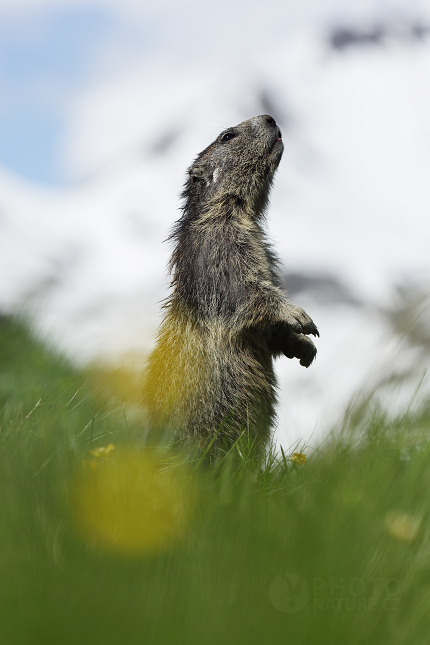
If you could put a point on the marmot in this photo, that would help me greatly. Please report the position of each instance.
(211, 372)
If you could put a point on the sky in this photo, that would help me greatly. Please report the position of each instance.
(45, 55)
(52, 50)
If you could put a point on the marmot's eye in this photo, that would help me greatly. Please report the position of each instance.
(227, 136)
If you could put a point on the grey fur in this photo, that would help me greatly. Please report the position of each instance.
(227, 316)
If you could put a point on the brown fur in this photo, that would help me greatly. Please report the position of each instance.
(227, 316)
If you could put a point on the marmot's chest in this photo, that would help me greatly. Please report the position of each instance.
(224, 268)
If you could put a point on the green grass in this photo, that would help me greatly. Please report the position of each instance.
(346, 534)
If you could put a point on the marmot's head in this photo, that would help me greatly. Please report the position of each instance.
(238, 165)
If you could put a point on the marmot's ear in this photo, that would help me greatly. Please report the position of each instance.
(199, 172)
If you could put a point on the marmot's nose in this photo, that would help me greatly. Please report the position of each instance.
(270, 120)
(272, 123)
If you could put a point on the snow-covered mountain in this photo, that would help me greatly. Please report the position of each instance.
(349, 213)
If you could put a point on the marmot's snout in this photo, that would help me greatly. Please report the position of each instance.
(266, 126)
(270, 121)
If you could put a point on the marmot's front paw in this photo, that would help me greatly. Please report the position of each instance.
(300, 346)
(299, 321)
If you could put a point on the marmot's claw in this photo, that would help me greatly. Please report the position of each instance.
(314, 331)
(310, 328)
(301, 322)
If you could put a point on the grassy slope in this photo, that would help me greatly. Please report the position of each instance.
(338, 522)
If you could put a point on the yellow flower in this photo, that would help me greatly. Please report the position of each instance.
(298, 458)
(135, 502)
(103, 451)
(402, 526)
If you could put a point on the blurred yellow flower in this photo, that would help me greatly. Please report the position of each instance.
(103, 452)
(135, 502)
(298, 458)
(402, 526)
